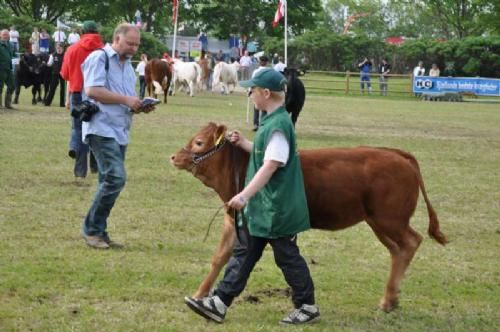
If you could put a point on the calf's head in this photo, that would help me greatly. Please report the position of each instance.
(206, 140)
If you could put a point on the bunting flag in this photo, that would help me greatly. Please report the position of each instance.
(280, 12)
(174, 11)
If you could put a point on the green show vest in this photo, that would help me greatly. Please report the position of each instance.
(6, 55)
(280, 207)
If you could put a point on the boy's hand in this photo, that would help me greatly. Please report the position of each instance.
(236, 138)
(238, 202)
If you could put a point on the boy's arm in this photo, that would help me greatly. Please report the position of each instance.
(260, 179)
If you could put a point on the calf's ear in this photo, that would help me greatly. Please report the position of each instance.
(219, 134)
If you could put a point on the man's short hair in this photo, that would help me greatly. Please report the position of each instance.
(264, 59)
(124, 28)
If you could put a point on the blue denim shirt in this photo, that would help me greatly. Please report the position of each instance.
(113, 120)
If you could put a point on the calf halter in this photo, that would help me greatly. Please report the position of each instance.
(199, 157)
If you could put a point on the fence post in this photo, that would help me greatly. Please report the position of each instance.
(411, 84)
(347, 75)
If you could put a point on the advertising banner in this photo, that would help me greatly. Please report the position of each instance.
(438, 85)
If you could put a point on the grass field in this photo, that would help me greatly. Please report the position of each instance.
(50, 281)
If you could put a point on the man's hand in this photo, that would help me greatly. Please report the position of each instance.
(134, 103)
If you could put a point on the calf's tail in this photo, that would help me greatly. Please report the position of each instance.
(433, 230)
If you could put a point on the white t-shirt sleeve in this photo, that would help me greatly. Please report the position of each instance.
(278, 148)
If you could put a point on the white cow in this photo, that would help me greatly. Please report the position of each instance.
(186, 75)
(225, 74)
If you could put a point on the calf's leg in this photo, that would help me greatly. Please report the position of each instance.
(402, 242)
(220, 257)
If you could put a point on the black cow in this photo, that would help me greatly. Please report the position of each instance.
(295, 93)
(32, 71)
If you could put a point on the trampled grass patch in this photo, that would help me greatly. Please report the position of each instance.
(49, 279)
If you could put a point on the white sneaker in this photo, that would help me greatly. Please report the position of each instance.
(307, 313)
(210, 307)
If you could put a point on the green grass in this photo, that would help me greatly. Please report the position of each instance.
(50, 281)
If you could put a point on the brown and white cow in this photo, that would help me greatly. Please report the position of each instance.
(343, 186)
(158, 74)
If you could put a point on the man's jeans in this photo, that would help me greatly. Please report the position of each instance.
(110, 157)
(287, 257)
(81, 149)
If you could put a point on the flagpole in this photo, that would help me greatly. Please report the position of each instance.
(286, 32)
(175, 30)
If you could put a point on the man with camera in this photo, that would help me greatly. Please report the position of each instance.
(109, 81)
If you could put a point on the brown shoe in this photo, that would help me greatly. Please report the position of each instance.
(95, 241)
(112, 244)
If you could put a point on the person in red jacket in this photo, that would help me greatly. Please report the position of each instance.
(71, 72)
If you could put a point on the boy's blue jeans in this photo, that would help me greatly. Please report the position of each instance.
(110, 157)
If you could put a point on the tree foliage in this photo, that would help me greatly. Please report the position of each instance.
(251, 18)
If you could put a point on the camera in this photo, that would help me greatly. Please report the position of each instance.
(84, 111)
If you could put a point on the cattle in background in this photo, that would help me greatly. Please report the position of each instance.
(158, 74)
(344, 186)
(225, 75)
(32, 71)
(186, 75)
(295, 93)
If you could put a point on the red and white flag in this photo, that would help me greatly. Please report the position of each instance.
(174, 11)
(280, 12)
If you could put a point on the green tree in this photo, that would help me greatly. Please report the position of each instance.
(252, 18)
(48, 10)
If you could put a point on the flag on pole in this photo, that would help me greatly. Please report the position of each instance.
(280, 12)
(174, 11)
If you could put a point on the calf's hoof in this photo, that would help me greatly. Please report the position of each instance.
(388, 305)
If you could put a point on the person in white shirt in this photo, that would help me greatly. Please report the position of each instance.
(59, 36)
(434, 72)
(280, 66)
(245, 63)
(14, 39)
(419, 70)
(140, 69)
(73, 37)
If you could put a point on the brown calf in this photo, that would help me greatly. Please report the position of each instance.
(343, 186)
(161, 72)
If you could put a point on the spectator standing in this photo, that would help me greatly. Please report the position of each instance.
(243, 43)
(449, 69)
(59, 36)
(6, 74)
(419, 70)
(383, 69)
(258, 114)
(71, 72)
(275, 209)
(434, 72)
(245, 64)
(234, 50)
(73, 37)
(44, 42)
(280, 66)
(203, 39)
(251, 48)
(14, 39)
(210, 66)
(365, 67)
(140, 70)
(275, 59)
(107, 132)
(55, 64)
(35, 41)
